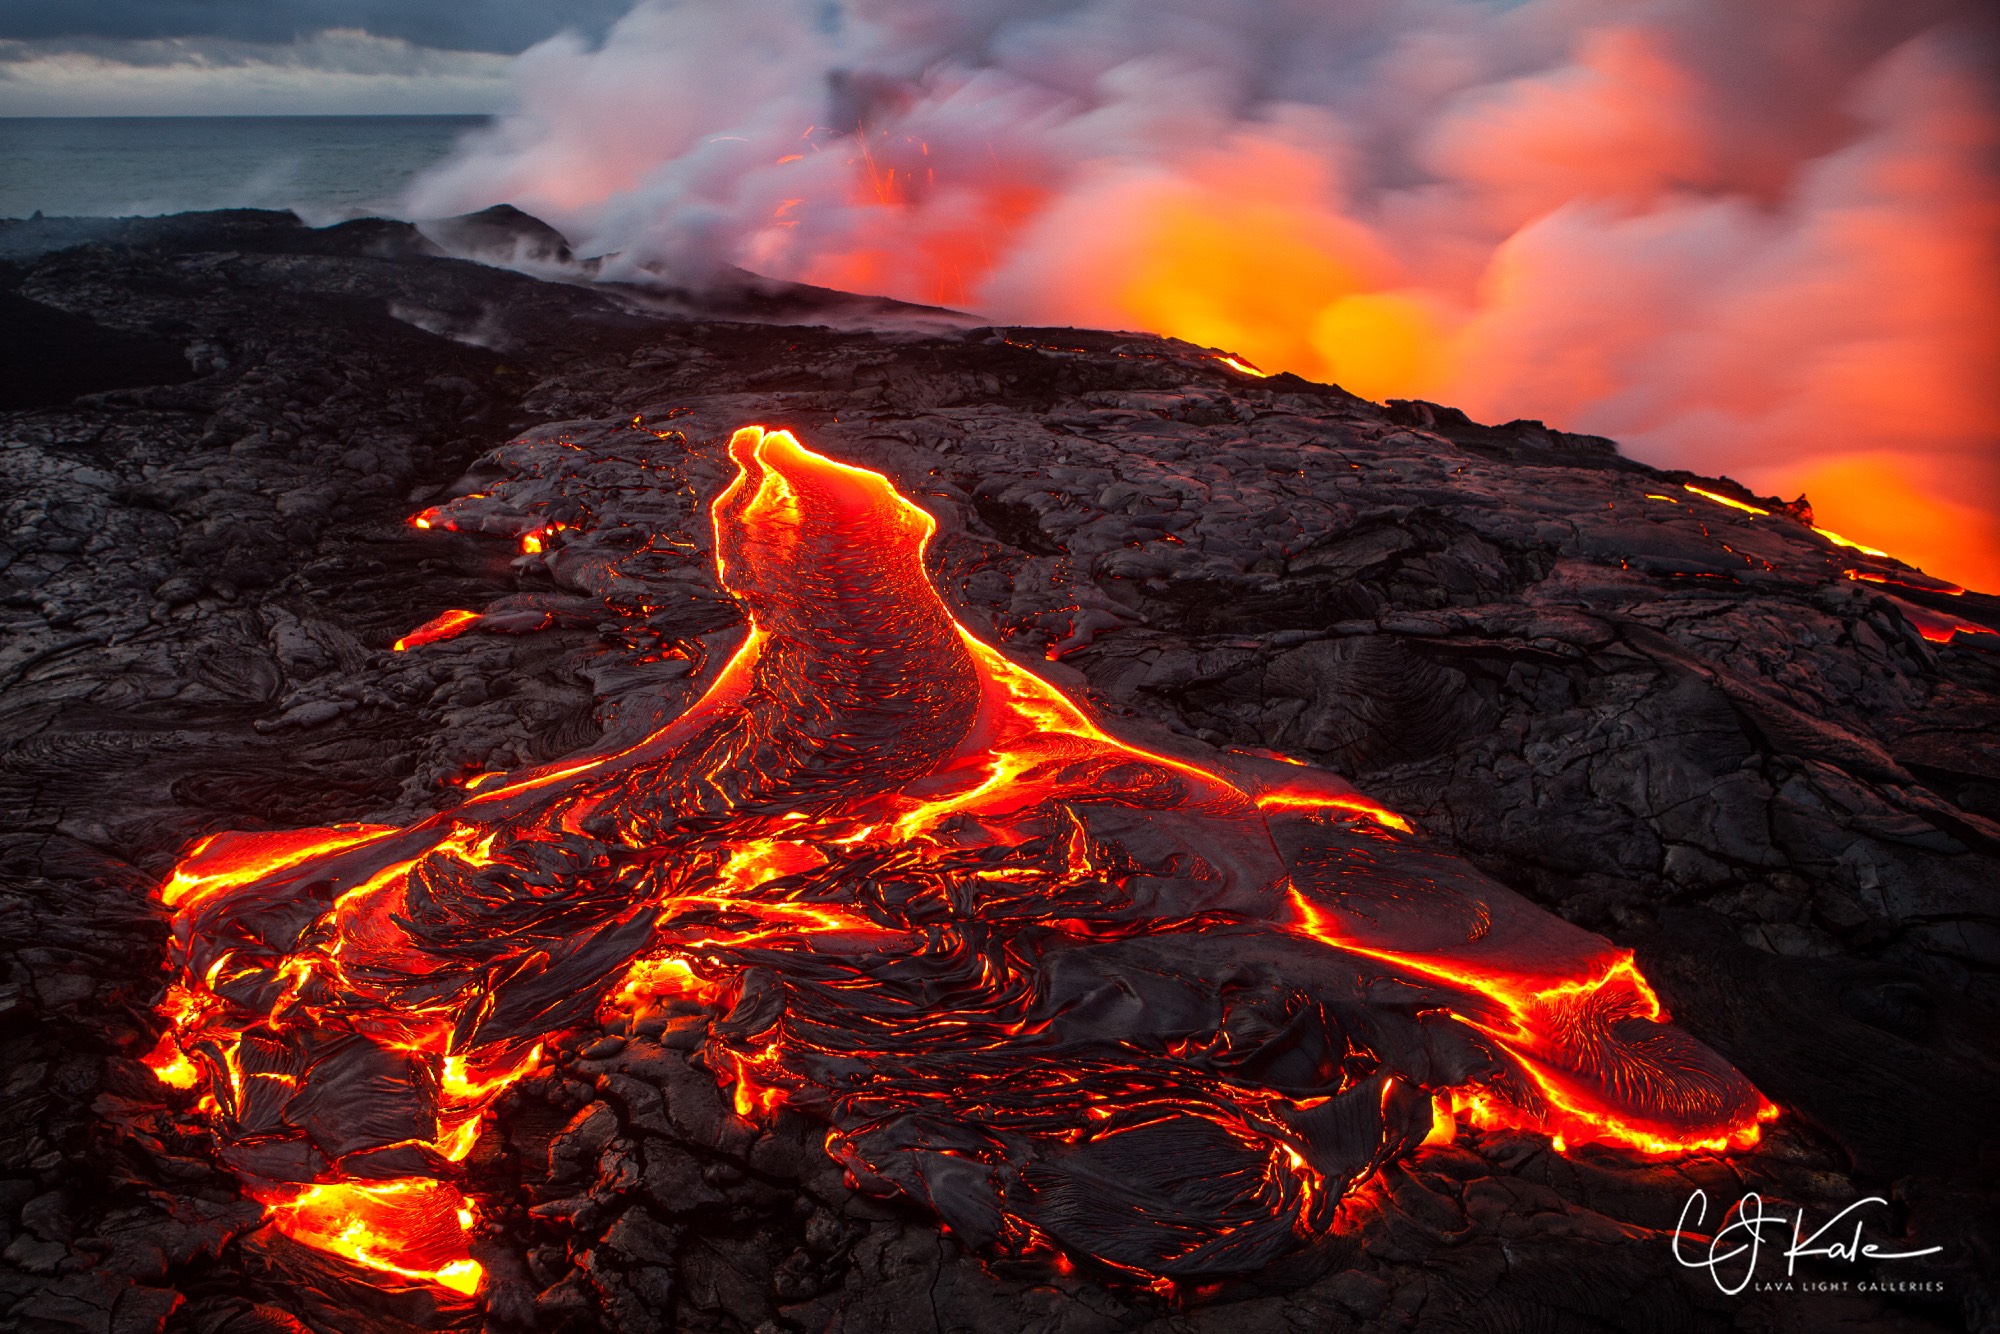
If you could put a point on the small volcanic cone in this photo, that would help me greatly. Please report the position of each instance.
(1061, 990)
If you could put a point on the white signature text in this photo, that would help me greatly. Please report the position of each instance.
(1738, 1242)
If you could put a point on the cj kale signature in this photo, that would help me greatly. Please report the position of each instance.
(1742, 1236)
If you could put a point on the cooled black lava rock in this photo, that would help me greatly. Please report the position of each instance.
(49, 356)
(1672, 722)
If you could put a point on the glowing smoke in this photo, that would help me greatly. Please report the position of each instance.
(1759, 240)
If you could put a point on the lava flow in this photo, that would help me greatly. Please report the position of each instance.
(1154, 1013)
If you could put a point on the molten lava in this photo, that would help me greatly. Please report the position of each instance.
(445, 625)
(1066, 992)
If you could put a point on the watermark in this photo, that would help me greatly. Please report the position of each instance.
(1737, 1247)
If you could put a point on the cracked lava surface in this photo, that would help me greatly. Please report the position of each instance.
(1070, 995)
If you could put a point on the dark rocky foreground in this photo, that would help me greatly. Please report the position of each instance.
(1672, 722)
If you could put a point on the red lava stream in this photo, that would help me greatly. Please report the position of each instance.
(1064, 992)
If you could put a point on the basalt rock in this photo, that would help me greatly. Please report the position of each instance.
(1763, 760)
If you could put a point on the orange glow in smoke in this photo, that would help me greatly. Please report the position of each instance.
(1240, 251)
(1751, 240)
(1542, 276)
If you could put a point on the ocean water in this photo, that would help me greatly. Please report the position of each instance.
(327, 168)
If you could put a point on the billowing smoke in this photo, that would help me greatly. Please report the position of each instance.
(1754, 239)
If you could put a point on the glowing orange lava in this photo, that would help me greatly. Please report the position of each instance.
(1940, 515)
(1238, 364)
(1730, 501)
(1937, 626)
(411, 1228)
(1570, 1114)
(445, 625)
(1157, 1012)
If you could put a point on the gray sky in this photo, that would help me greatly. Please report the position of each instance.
(505, 26)
(238, 57)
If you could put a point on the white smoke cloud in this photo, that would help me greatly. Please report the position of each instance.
(1755, 239)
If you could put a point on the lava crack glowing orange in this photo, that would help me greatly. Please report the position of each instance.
(1157, 1013)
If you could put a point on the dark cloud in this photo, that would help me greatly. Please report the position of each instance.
(457, 25)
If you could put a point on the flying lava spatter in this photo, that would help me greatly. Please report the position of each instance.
(1153, 1013)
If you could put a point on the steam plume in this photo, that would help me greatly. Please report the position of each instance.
(1759, 240)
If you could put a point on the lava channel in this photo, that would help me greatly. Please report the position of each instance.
(1157, 1014)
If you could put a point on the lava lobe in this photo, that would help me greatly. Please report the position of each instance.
(1065, 992)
